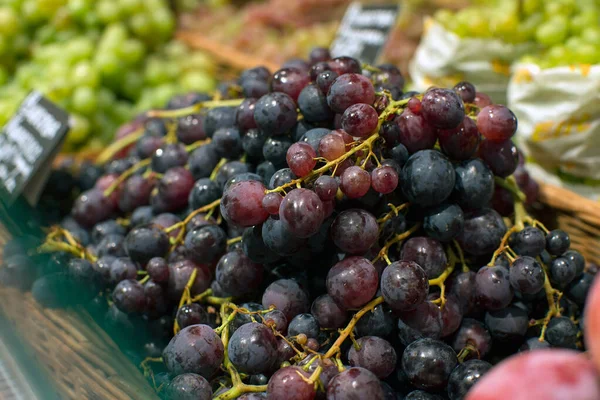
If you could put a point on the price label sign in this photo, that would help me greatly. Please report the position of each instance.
(28, 144)
(364, 31)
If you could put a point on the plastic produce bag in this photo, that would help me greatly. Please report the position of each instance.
(443, 59)
(559, 123)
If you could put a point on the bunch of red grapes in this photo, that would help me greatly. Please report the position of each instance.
(318, 233)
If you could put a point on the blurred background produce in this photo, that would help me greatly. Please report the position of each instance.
(101, 60)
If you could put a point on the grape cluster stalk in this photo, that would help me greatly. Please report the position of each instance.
(317, 230)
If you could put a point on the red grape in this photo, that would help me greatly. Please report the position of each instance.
(443, 108)
(290, 383)
(332, 146)
(416, 132)
(301, 211)
(241, 204)
(352, 282)
(497, 123)
(349, 89)
(301, 158)
(461, 142)
(355, 182)
(482, 100)
(360, 120)
(414, 105)
(290, 81)
(271, 203)
(384, 179)
(466, 91)
(326, 187)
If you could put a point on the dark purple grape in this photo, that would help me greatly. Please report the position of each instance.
(111, 245)
(355, 383)
(204, 192)
(501, 157)
(305, 324)
(562, 332)
(301, 212)
(443, 108)
(428, 253)
(482, 233)
(179, 275)
(271, 202)
(278, 238)
(452, 315)
(275, 150)
(349, 89)
(422, 395)
(562, 271)
(190, 129)
(530, 241)
(404, 285)
(174, 188)
(474, 184)
(92, 207)
(314, 136)
(121, 268)
(428, 363)
(493, 288)
(186, 100)
(128, 297)
(444, 222)
(399, 153)
(189, 387)
(508, 325)
(253, 142)
(170, 156)
(534, 344)
(424, 321)
(384, 179)
(146, 242)
(427, 178)
(206, 243)
(389, 78)
(290, 81)
(345, 65)
(579, 288)
(253, 348)
(237, 274)
(379, 322)
(496, 123)
(557, 242)
(325, 79)
(275, 113)
(290, 383)
(416, 132)
(352, 282)
(192, 314)
(576, 259)
(241, 204)
(277, 320)
(135, 193)
(196, 349)
(312, 102)
(326, 187)
(287, 296)
(475, 334)
(465, 376)
(374, 354)
(354, 231)
(203, 160)
(228, 142)
(466, 91)
(328, 313)
(526, 275)
(219, 117)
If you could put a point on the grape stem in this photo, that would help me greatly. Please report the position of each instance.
(440, 280)
(182, 112)
(119, 145)
(383, 253)
(344, 333)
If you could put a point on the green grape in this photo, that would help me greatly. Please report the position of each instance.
(91, 20)
(141, 25)
(155, 72)
(552, 32)
(591, 35)
(84, 100)
(557, 54)
(4, 46)
(198, 81)
(108, 63)
(164, 21)
(79, 8)
(113, 37)
(444, 17)
(175, 49)
(131, 51)
(108, 11)
(585, 53)
(3, 76)
(581, 21)
(79, 129)
(133, 83)
(80, 48)
(105, 98)
(85, 74)
(9, 21)
(31, 13)
(559, 7)
(129, 7)
(198, 61)
(532, 6)
(20, 44)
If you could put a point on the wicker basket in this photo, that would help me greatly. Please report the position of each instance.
(80, 359)
(84, 363)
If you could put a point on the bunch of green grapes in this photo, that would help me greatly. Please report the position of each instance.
(100, 60)
(565, 31)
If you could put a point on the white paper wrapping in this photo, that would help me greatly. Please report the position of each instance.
(443, 59)
(559, 122)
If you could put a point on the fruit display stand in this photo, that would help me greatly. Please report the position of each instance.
(78, 357)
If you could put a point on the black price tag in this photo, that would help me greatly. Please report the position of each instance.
(364, 31)
(28, 144)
